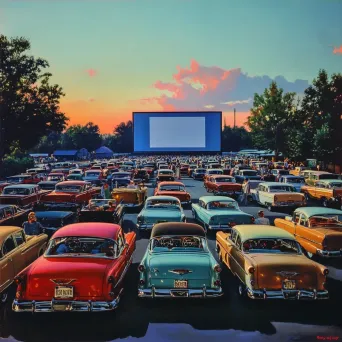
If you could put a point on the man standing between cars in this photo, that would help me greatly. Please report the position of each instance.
(262, 219)
(32, 227)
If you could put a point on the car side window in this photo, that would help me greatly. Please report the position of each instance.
(8, 246)
(296, 217)
(238, 241)
(19, 237)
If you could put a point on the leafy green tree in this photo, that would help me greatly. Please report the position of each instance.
(235, 139)
(49, 143)
(78, 136)
(321, 116)
(272, 115)
(29, 104)
(124, 136)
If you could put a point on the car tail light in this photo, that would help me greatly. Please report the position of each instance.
(21, 282)
(217, 269)
(141, 282)
(252, 219)
(141, 268)
(325, 271)
(111, 280)
(275, 199)
(251, 270)
(217, 283)
(232, 224)
(252, 282)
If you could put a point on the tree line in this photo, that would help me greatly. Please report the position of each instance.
(31, 118)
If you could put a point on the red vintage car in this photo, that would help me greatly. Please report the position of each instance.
(25, 178)
(223, 185)
(175, 189)
(22, 195)
(69, 195)
(82, 270)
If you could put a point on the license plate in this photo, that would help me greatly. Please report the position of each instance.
(289, 285)
(181, 284)
(64, 292)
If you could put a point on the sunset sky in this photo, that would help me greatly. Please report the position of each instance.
(114, 57)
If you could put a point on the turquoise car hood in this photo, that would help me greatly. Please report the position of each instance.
(170, 265)
(153, 215)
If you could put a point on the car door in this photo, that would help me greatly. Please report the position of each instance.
(21, 258)
(237, 258)
(7, 273)
(228, 247)
(121, 260)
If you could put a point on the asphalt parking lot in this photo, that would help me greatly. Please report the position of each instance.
(183, 320)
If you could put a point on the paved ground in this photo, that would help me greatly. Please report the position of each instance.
(170, 320)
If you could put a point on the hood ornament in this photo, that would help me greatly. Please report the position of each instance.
(287, 274)
(180, 271)
(62, 282)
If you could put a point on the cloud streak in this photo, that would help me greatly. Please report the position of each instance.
(91, 72)
(199, 87)
(337, 50)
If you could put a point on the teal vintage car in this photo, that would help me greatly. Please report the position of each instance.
(219, 213)
(178, 263)
(160, 209)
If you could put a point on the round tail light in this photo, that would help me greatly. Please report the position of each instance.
(141, 268)
(217, 283)
(141, 282)
(251, 270)
(217, 269)
(325, 271)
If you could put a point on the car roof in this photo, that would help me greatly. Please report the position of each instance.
(89, 229)
(53, 214)
(5, 230)
(221, 176)
(171, 183)
(328, 181)
(291, 176)
(170, 198)
(214, 170)
(163, 170)
(207, 199)
(258, 231)
(24, 186)
(177, 228)
(274, 184)
(73, 183)
(316, 211)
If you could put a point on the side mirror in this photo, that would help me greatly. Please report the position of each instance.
(288, 218)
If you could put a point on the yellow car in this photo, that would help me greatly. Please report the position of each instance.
(132, 199)
(269, 264)
(17, 251)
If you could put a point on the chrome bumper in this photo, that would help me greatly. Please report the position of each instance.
(145, 226)
(62, 306)
(220, 227)
(180, 293)
(330, 254)
(288, 204)
(287, 294)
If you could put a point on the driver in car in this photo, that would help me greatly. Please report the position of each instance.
(62, 247)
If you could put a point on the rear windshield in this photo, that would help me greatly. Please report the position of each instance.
(16, 191)
(276, 246)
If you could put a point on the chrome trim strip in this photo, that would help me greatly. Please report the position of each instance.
(287, 294)
(170, 293)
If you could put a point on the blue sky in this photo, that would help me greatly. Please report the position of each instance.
(132, 44)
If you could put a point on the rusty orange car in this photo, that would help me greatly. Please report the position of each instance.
(223, 185)
(326, 191)
(175, 189)
(270, 264)
(317, 229)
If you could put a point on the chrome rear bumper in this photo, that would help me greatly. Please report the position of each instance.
(62, 306)
(220, 227)
(287, 294)
(180, 293)
(329, 254)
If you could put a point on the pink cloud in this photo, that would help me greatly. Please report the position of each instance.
(91, 72)
(199, 87)
(337, 50)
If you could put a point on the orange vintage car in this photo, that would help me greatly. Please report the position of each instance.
(223, 185)
(17, 251)
(298, 171)
(311, 177)
(175, 189)
(318, 230)
(270, 264)
(326, 191)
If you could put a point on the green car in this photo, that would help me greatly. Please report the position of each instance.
(178, 263)
(160, 209)
(219, 213)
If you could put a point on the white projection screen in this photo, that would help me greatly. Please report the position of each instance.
(177, 132)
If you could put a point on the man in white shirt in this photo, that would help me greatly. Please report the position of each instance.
(262, 219)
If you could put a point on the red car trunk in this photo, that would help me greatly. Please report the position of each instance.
(59, 197)
(85, 275)
(182, 196)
